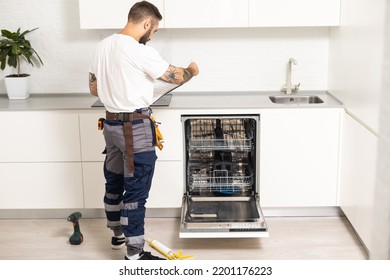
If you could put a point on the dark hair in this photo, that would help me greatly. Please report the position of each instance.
(142, 10)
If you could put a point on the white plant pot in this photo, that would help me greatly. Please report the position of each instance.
(17, 87)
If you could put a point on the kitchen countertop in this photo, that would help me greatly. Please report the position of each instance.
(38, 102)
(180, 100)
(246, 100)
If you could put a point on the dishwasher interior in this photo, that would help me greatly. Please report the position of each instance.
(221, 195)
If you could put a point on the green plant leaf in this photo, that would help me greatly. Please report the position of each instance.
(40, 60)
(5, 33)
(2, 62)
(28, 31)
(16, 49)
(15, 46)
(12, 61)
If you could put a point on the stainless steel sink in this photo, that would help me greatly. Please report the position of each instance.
(294, 99)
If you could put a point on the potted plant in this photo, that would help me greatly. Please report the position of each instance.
(13, 47)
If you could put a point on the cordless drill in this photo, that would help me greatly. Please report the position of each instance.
(77, 237)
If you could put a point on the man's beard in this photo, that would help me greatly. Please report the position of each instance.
(146, 37)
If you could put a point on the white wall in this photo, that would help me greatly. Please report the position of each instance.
(229, 59)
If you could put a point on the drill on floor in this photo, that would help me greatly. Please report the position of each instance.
(77, 237)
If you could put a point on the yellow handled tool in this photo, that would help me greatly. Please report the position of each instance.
(167, 252)
(159, 137)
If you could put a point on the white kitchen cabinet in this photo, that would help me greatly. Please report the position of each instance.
(358, 175)
(94, 184)
(39, 137)
(167, 185)
(92, 139)
(205, 13)
(41, 185)
(40, 160)
(299, 157)
(102, 14)
(265, 13)
(171, 129)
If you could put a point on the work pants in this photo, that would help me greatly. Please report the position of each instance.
(126, 193)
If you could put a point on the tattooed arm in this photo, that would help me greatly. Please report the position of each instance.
(178, 75)
(93, 84)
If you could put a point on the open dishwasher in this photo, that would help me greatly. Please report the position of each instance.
(221, 193)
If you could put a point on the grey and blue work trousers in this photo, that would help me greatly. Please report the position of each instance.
(126, 192)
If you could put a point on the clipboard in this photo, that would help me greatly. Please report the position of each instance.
(161, 88)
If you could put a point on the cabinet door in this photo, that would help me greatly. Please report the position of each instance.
(41, 186)
(39, 137)
(94, 184)
(299, 157)
(206, 13)
(102, 14)
(358, 171)
(294, 13)
(167, 186)
(92, 139)
(171, 129)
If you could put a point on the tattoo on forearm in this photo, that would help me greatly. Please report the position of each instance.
(171, 74)
(177, 75)
(92, 78)
(187, 75)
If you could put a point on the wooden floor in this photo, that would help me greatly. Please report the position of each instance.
(303, 238)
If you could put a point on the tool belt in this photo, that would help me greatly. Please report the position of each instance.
(127, 119)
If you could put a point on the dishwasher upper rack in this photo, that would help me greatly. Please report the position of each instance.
(202, 177)
(219, 134)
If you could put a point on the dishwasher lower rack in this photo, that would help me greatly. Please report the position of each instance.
(224, 178)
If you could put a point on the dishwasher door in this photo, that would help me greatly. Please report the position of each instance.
(211, 217)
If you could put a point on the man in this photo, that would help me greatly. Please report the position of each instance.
(122, 74)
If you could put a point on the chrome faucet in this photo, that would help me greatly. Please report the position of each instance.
(289, 88)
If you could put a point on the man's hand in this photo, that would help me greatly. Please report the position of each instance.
(194, 68)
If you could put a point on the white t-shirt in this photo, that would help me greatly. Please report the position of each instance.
(125, 71)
